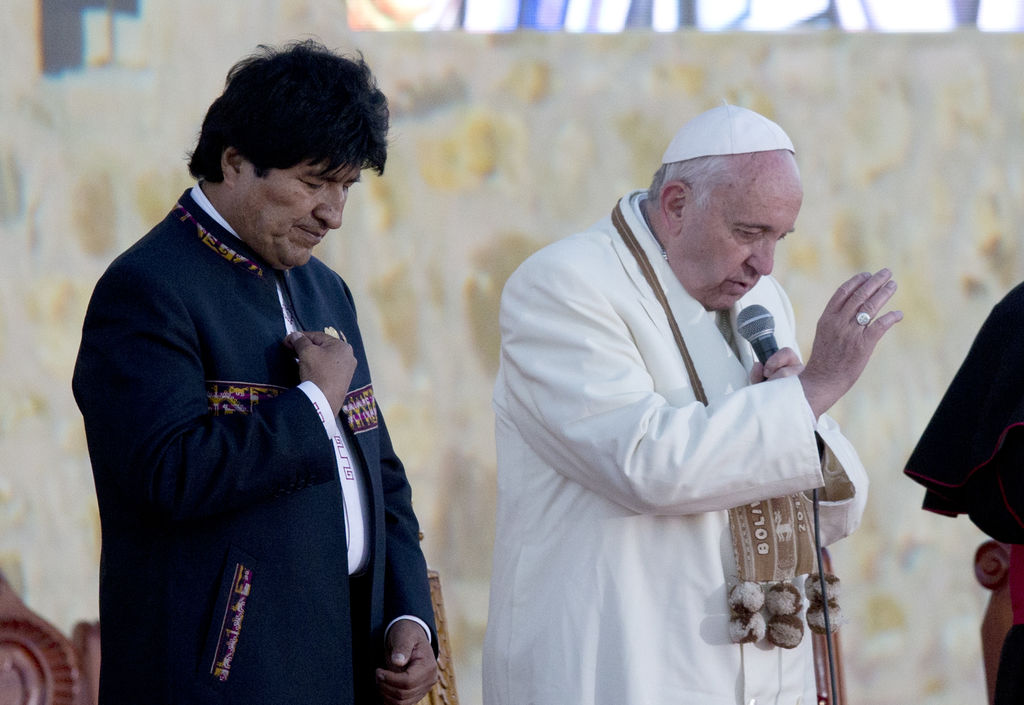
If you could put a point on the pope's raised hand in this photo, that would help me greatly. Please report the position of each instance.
(846, 335)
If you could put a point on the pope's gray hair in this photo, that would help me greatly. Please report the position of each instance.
(702, 174)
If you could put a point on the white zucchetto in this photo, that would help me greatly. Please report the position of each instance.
(727, 129)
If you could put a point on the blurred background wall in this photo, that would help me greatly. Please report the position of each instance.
(909, 146)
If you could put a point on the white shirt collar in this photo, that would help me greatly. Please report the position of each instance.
(200, 198)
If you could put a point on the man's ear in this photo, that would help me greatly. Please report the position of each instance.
(675, 196)
(231, 162)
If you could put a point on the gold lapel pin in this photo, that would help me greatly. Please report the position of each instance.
(333, 332)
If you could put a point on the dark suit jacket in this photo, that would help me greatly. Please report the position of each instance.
(223, 575)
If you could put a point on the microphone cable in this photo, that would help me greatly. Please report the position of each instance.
(824, 606)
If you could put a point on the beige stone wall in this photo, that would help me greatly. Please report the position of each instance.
(910, 152)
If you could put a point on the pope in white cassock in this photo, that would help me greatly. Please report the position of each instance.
(656, 482)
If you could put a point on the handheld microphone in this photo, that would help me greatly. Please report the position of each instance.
(757, 326)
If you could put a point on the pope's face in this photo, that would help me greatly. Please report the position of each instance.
(285, 213)
(720, 250)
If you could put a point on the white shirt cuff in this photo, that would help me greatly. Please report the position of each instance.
(430, 639)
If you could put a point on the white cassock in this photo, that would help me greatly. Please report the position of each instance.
(613, 553)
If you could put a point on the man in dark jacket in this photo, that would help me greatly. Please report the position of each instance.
(259, 542)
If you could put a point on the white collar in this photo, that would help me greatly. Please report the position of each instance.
(203, 202)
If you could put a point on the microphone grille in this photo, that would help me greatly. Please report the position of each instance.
(754, 321)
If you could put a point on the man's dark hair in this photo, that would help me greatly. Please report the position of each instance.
(302, 103)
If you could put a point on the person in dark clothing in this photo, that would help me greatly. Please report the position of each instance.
(970, 458)
(259, 542)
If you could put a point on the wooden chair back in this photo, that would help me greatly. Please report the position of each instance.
(992, 570)
(38, 664)
(445, 692)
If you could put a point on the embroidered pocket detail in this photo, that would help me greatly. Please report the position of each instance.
(360, 409)
(231, 624)
(237, 397)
